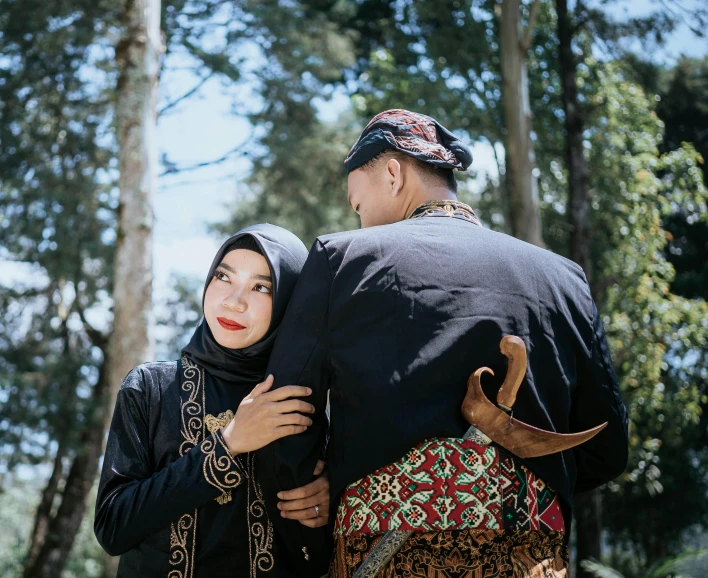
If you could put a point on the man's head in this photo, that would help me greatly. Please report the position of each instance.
(401, 160)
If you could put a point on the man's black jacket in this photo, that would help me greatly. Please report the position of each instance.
(392, 320)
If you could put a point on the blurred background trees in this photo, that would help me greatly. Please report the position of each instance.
(597, 142)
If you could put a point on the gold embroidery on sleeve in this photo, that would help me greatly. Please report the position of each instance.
(218, 471)
(191, 408)
(260, 542)
(182, 545)
(183, 534)
(221, 420)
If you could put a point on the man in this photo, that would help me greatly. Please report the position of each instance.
(390, 321)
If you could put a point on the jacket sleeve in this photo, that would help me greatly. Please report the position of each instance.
(301, 357)
(133, 500)
(596, 400)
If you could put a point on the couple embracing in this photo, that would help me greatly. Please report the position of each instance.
(313, 424)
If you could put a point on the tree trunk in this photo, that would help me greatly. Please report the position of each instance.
(588, 511)
(44, 510)
(588, 521)
(523, 185)
(578, 201)
(138, 56)
(63, 527)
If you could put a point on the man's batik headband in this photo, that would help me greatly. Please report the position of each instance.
(411, 133)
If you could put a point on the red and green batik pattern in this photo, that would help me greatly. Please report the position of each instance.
(449, 484)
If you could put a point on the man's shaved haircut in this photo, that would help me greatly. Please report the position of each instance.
(430, 174)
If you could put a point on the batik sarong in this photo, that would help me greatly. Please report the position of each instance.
(474, 510)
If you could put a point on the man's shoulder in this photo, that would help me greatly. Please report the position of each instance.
(456, 231)
(346, 237)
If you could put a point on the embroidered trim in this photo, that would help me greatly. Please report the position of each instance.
(183, 534)
(222, 420)
(449, 484)
(192, 408)
(446, 209)
(218, 470)
(182, 545)
(260, 544)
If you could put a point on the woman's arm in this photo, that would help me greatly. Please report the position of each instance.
(133, 501)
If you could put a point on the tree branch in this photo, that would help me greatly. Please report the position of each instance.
(186, 95)
(97, 338)
(533, 18)
(172, 169)
(689, 14)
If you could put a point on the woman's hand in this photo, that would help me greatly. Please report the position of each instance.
(309, 504)
(264, 416)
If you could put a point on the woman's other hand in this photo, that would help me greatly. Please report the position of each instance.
(308, 504)
(264, 416)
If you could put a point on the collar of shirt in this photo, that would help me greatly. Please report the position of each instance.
(446, 208)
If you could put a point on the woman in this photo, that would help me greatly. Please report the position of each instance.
(178, 496)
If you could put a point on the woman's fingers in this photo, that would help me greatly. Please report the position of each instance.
(292, 419)
(303, 492)
(262, 387)
(294, 405)
(308, 510)
(319, 468)
(305, 503)
(315, 522)
(288, 430)
(288, 391)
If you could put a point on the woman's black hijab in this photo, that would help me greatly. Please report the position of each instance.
(285, 255)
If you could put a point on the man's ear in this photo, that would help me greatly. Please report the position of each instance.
(394, 174)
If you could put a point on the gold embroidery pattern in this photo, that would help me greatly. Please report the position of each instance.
(446, 209)
(182, 545)
(192, 408)
(260, 544)
(218, 471)
(221, 420)
(183, 534)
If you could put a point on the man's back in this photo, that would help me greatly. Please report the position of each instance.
(392, 320)
(416, 307)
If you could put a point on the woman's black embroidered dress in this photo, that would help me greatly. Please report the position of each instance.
(172, 501)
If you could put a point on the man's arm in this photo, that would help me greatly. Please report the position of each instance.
(595, 400)
(301, 357)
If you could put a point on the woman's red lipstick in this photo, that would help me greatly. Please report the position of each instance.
(229, 325)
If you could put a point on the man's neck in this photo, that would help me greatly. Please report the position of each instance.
(428, 194)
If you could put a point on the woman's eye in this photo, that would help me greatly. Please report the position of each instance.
(262, 289)
(221, 276)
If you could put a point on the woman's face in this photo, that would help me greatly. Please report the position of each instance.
(238, 303)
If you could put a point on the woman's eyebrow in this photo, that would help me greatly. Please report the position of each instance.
(227, 267)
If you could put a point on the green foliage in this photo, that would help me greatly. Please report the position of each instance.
(56, 219)
(179, 318)
(300, 183)
(673, 567)
(658, 339)
(684, 109)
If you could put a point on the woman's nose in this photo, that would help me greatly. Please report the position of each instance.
(236, 301)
